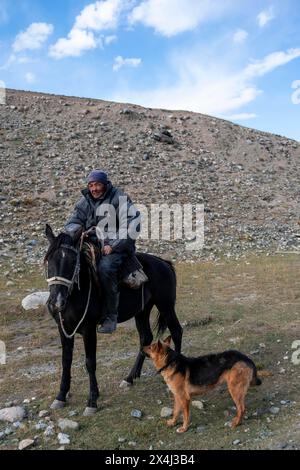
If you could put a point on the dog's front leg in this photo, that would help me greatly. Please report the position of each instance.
(185, 406)
(176, 412)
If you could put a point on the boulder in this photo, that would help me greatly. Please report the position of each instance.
(12, 414)
(35, 300)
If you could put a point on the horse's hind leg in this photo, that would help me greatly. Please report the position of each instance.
(143, 326)
(90, 345)
(67, 356)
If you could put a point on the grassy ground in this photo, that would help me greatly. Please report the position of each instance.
(252, 305)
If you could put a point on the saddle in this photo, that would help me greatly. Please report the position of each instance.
(131, 272)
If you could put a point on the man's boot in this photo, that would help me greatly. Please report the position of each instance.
(110, 323)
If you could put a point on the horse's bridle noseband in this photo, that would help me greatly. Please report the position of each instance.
(62, 281)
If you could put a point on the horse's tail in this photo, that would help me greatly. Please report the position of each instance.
(172, 267)
(160, 324)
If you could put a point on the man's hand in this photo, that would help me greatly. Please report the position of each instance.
(107, 250)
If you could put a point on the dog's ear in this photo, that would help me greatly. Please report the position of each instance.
(49, 233)
(159, 346)
(168, 340)
(146, 350)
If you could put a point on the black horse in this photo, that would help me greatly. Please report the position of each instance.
(75, 304)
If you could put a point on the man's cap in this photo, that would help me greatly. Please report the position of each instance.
(97, 176)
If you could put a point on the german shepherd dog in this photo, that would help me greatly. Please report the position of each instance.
(188, 376)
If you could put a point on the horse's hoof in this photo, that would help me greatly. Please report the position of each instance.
(125, 384)
(58, 404)
(89, 411)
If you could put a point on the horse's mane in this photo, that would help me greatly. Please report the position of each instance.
(62, 238)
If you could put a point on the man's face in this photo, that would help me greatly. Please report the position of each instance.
(96, 189)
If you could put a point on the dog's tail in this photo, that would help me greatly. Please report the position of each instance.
(255, 380)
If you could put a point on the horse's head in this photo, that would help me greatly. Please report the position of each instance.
(63, 269)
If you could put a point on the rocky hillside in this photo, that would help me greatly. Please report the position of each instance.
(248, 180)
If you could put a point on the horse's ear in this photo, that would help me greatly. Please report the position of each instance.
(168, 340)
(49, 233)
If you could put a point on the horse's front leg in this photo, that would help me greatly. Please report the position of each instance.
(67, 356)
(90, 345)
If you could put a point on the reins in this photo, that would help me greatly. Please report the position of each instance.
(83, 317)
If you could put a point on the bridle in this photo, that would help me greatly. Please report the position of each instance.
(62, 281)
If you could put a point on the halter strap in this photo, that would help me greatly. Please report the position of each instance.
(59, 280)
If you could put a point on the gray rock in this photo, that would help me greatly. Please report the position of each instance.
(65, 424)
(198, 404)
(49, 431)
(201, 429)
(63, 439)
(25, 444)
(166, 412)
(132, 443)
(17, 424)
(35, 300)
(40, 426)
(15, 413)
(236, 442)
(274, 410)
(136, 414)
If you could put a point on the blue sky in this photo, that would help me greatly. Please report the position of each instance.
(235, 59)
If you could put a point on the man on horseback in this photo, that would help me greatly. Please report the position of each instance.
(113, 222)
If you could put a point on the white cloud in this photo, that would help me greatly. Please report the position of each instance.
(95, 17)
(265, 16)
(259, 68)
(240, 36)
(74, 45)
(33, 38)
(14, 59)
(30, 77)
(100, 15)
(171, 17)
(208, 86)
(24, 60)
(241, 117)
(110, 39)
(130, 62)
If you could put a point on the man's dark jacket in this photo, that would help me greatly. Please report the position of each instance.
(89, 212)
